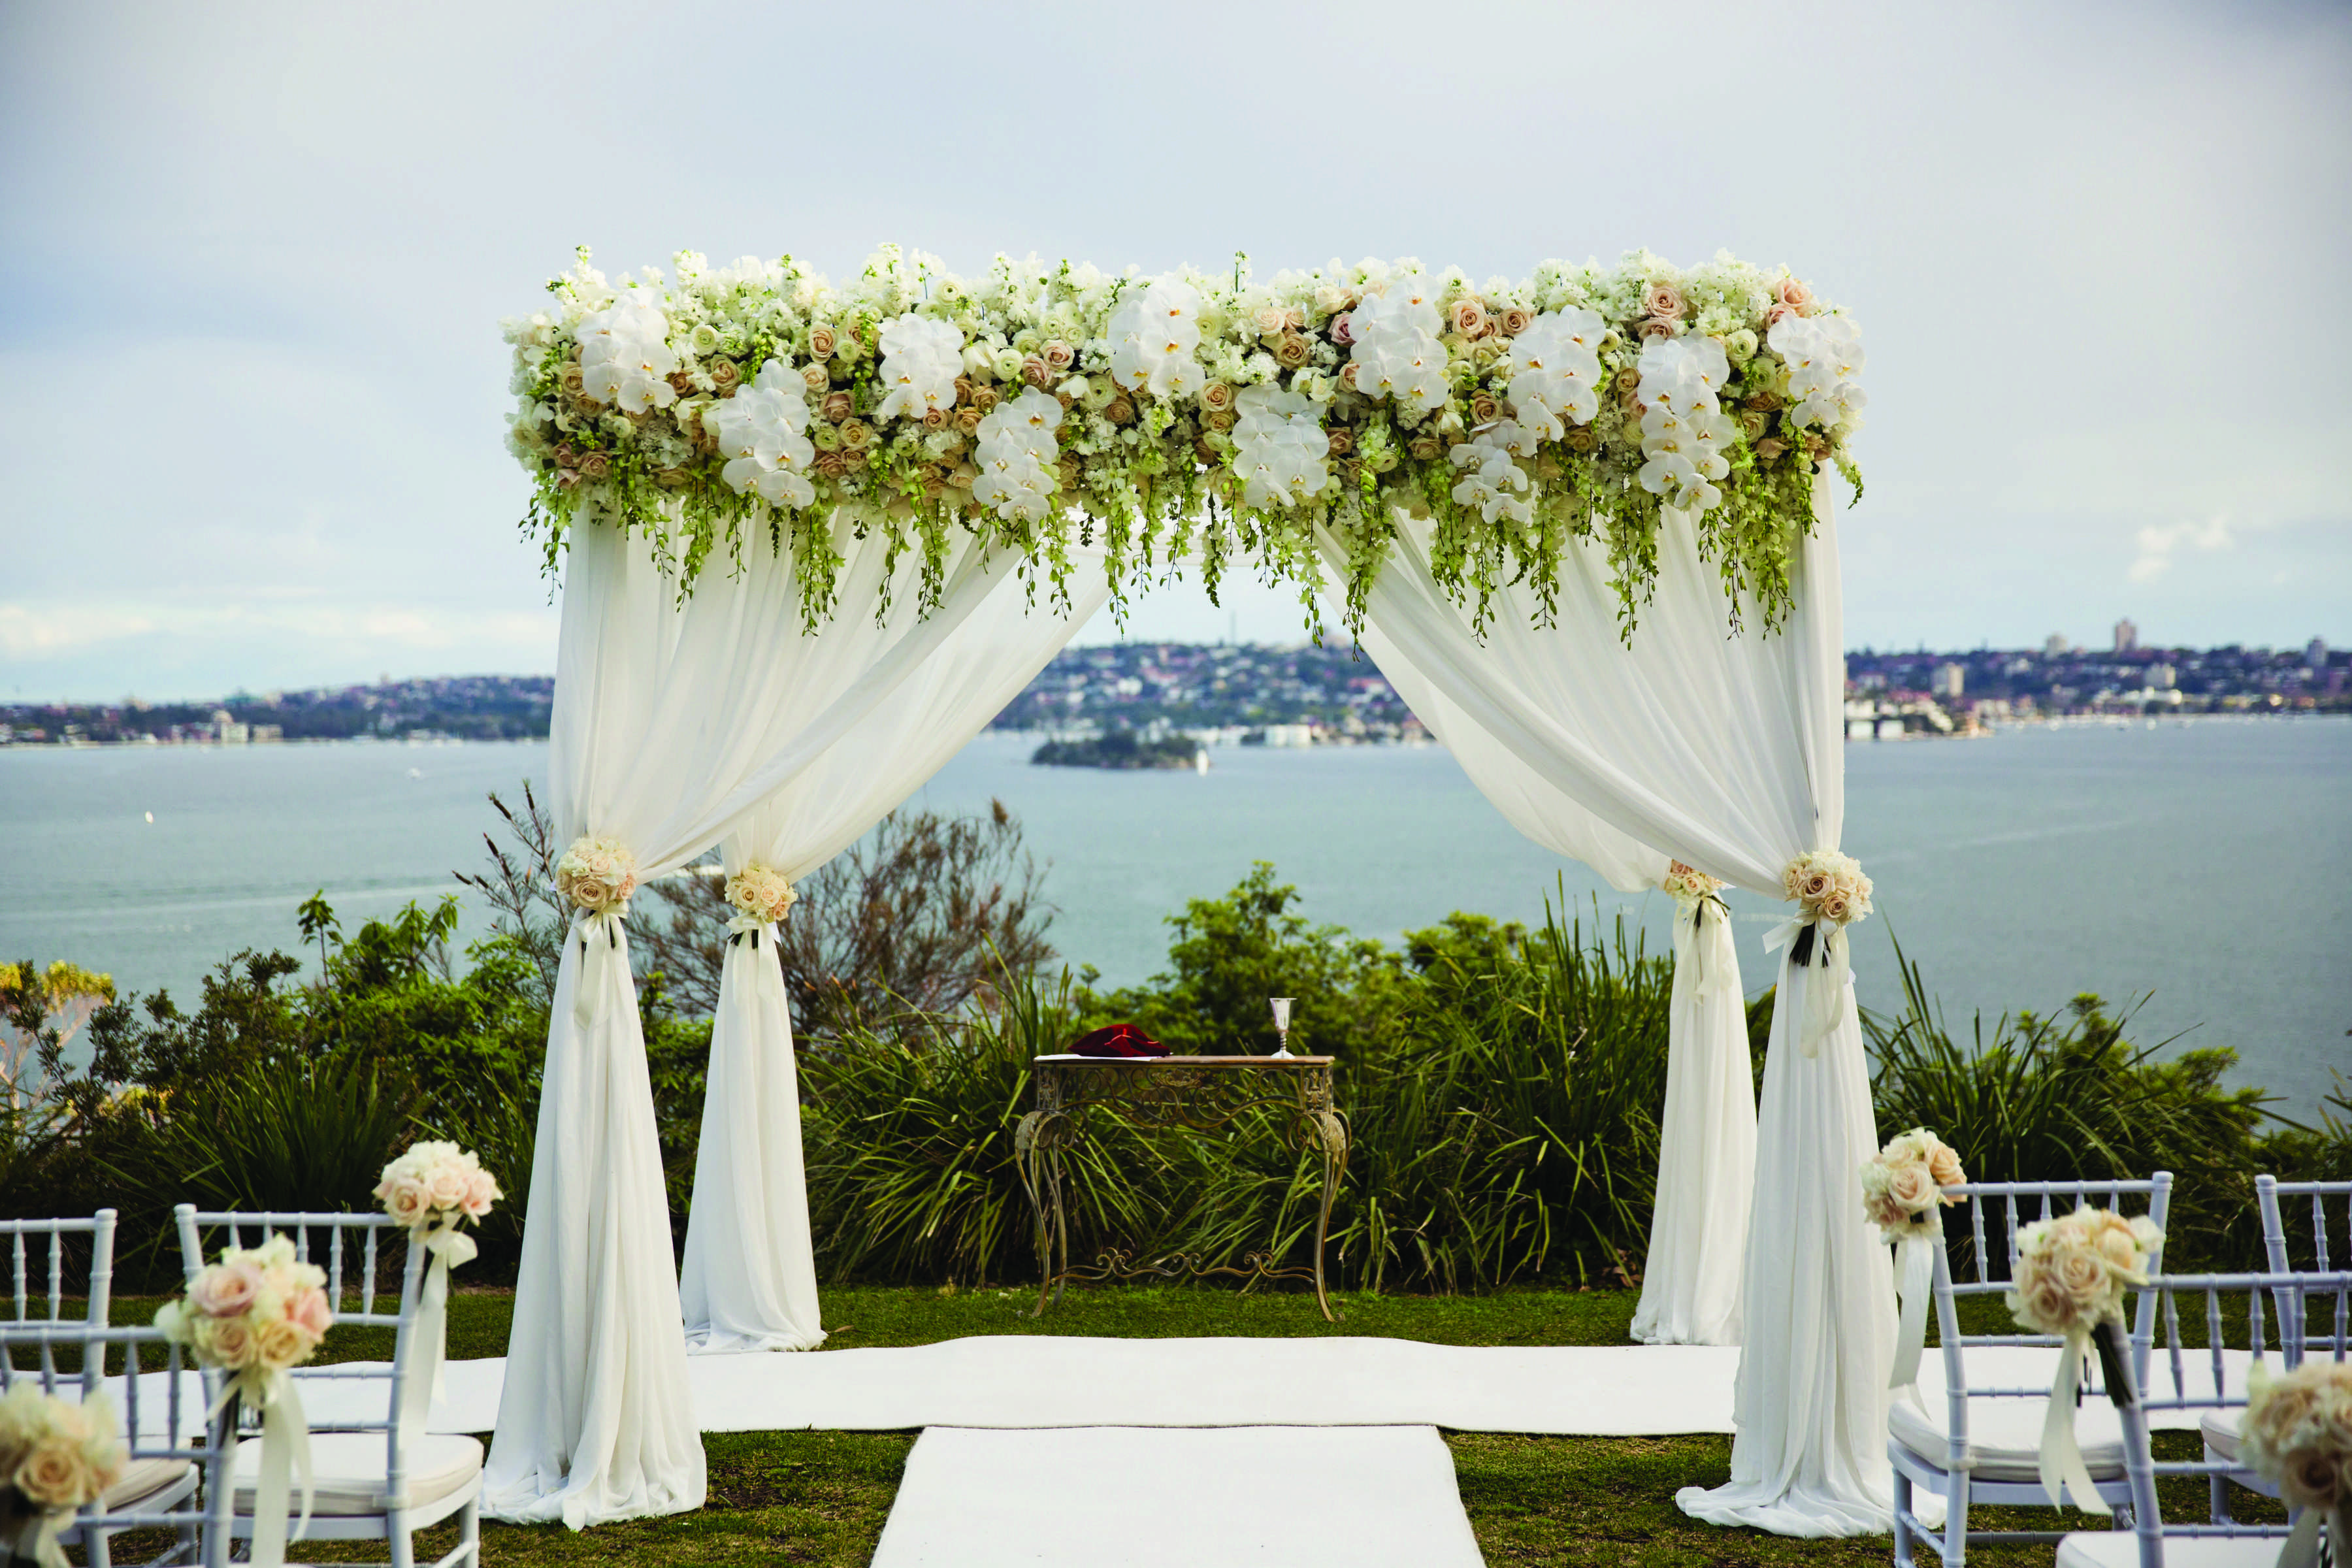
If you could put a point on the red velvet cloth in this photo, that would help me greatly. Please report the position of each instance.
(1119, 1040)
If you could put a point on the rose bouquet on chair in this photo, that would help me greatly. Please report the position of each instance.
(433, 1189)
(2297, 1433)
(55, 1457)
(1902, 1195)
(252, 1317)
(2069, 1279)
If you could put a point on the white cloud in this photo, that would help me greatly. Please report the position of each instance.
(32, 633)
(2157, 542)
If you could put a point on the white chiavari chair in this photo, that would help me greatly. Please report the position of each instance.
(170, 1448)
(2199, 1381)
(376, 1476)
(1984, 1445)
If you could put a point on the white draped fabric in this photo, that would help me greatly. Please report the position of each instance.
(670, 724)
(749, 1282)
(1728, 748)
(1706, 1146)
(1698, 1232)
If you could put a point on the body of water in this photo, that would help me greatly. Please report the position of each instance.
(2201, 866)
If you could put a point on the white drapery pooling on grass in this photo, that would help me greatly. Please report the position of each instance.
(749, 1282)
(1729, 748)
(671, 722)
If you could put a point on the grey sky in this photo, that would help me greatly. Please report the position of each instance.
(254, 257)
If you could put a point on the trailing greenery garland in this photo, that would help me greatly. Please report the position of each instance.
(1048, 404)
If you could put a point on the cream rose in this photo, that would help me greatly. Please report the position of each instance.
(278, 1342)
(821, 343)
(227, 1341)
(1789, 291)
(1467, 317)
(226, 1289)
(1662, 300)
(1515, 320)
(1945, 1166)
(56, 1475)
(309, 1310)
(1911, 1187)
(815, 378)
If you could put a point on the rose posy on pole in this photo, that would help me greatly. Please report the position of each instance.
(55, 1456)
(1903, 1196)
(432, 1189)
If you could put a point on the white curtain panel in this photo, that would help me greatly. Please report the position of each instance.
(1706, 1146)
(1725, 750)
(670, 722)
(750, 1276)
(1698, 1230)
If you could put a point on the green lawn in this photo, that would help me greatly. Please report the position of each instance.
(820, 1498)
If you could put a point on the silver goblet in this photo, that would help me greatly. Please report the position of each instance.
(1281, 1005)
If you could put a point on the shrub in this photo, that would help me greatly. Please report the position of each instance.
(2043, 1098)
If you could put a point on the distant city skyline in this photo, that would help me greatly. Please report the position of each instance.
(252, 392)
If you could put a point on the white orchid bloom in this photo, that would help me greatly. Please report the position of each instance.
(624, 355)
(1686, 372)
(921, 357)
(1279, 447)
(1154, 334)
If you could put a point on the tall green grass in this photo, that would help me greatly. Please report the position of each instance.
(1505, 1127)
(2033, 1098)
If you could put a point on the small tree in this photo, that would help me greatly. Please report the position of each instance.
(40, 1010)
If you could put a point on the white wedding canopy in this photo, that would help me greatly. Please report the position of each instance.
(810, 529)
(718, 719)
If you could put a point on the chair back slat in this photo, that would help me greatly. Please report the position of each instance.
(42, 1258)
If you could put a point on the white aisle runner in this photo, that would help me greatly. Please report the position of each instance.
(1175, 1496)
(1044, 1381)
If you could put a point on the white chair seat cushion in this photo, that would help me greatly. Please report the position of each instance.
(2120, 1549)
(347, 1472)
(142, 1479)
(2220, 1428)
(2005, 1437)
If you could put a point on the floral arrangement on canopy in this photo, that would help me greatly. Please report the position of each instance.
(1049, 403)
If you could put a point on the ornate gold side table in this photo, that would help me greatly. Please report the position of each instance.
(1199, 1093)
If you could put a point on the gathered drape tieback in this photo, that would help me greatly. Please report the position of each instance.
(1696, 895)
(597, 875)
(762, 899)
(1831, 893)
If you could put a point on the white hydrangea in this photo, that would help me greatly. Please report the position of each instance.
(1279, 447)
(1824, 355)
(1556, 371)
(1492, 483)
(624, 355)
(1016, 455)
(921, 357)
(1397, 353)
(1154, 335)
(760, 433)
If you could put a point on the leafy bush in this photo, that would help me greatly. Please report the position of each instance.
(2043, 1099)
(920, 915)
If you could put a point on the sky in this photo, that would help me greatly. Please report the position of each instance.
(253, 259)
